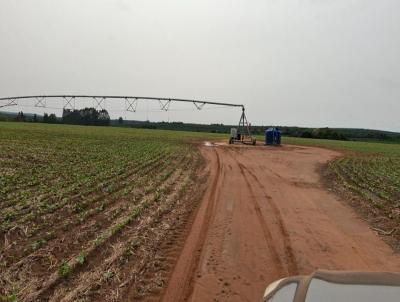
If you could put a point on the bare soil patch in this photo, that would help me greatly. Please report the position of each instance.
(267, 214)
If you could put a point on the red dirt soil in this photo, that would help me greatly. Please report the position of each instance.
(266, 215)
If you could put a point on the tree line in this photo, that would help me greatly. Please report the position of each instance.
(317, 133)
(85, 116)
(90, 116)
(321, 133)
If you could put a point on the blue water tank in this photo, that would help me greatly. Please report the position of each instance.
(272, 136)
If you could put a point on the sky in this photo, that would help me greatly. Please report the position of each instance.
(316, 63)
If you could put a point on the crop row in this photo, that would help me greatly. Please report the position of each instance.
(66, 191)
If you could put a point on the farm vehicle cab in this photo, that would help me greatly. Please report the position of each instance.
(335, 286)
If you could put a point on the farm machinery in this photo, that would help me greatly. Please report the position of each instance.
(242, 133)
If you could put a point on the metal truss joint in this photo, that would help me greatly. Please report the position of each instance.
(131, 104)
(164, 105)
(199, 105)
(40, 101)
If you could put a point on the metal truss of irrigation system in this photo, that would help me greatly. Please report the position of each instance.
(100, 100)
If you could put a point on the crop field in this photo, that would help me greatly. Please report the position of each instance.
(100, 213)
(372, 171)
(85, 211)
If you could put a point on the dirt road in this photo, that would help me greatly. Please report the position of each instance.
(266, 215)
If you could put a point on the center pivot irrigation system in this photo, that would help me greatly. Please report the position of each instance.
(241, 134)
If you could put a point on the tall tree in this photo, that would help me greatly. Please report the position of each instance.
(20, 117)
(45, 118)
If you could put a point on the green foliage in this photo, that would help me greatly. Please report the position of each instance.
(50, 119)
(8, 216)
(108, 275)
(86, 116)
(78, 207)
(362, 147)
(65, 269)
(81, 258)
(4, 117)
(10, 297)
(57, 179)
(20, 117)
(317, 133)
(38, 244)
(326, 133)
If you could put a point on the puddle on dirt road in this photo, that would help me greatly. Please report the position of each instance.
(209, 144)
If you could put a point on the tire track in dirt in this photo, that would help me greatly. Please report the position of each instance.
(189, 277)
(292, 268)
(180, 285)
(278, 263)
(259, 233)
(289, 263)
